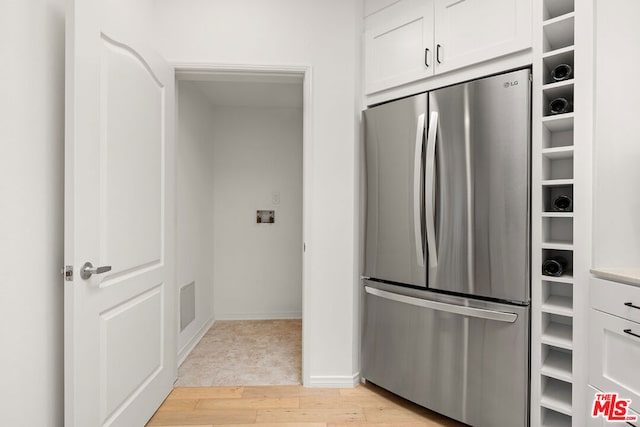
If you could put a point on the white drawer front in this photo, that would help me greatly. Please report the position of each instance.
(614, 356)
(611, 297)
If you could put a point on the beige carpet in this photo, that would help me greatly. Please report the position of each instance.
(245, 352)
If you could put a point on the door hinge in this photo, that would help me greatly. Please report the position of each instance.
(67, 272)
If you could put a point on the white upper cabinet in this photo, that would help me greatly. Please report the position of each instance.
(408, 40)
(399, 48)
(472, 31)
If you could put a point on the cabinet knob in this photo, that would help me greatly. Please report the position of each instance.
(426, 56)
(438, 47)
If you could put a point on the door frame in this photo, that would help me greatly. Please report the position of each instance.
(209, 71)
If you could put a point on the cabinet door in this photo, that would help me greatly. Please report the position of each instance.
(472, 31)
(614, 352)
(399, 49)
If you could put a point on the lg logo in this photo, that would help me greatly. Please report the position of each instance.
(510, 84)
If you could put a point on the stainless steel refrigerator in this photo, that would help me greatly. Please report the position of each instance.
(447, 284)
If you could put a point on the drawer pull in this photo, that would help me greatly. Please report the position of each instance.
(628, 331)
(630, 304)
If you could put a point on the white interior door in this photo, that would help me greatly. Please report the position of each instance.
(120, 325)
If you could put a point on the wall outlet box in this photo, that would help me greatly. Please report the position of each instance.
(265, 217)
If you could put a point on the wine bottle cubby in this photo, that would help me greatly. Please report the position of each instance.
(551, 193)
(558, 32)
(554, 251)
(555, 8)
(558, 99)
(557, 167)
(557, 298)
(556, 395)
(557, 230)
(554, 61)
(558, 142)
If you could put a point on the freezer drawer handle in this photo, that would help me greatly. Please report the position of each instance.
(481, 313)
(628, 331)
(630, 304)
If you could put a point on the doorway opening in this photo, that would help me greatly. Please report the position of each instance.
(241, 146)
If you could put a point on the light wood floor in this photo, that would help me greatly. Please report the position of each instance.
(292, 406)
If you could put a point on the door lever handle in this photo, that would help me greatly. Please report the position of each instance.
(88, 270)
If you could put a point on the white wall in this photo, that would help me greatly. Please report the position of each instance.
(195, 208)
(257, 267)
(326, 36)
(31, 212)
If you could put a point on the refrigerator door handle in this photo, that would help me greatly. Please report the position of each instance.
(462, 310)
(417, 205)
(430, 190)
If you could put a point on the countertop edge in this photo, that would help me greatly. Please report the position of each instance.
(629, 276)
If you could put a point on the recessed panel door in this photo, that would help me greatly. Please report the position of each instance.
(120, 326)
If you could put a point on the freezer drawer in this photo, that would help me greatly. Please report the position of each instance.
(470, 363)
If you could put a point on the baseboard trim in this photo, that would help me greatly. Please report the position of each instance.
(259, 316)
(193, 342)
(337, 381)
